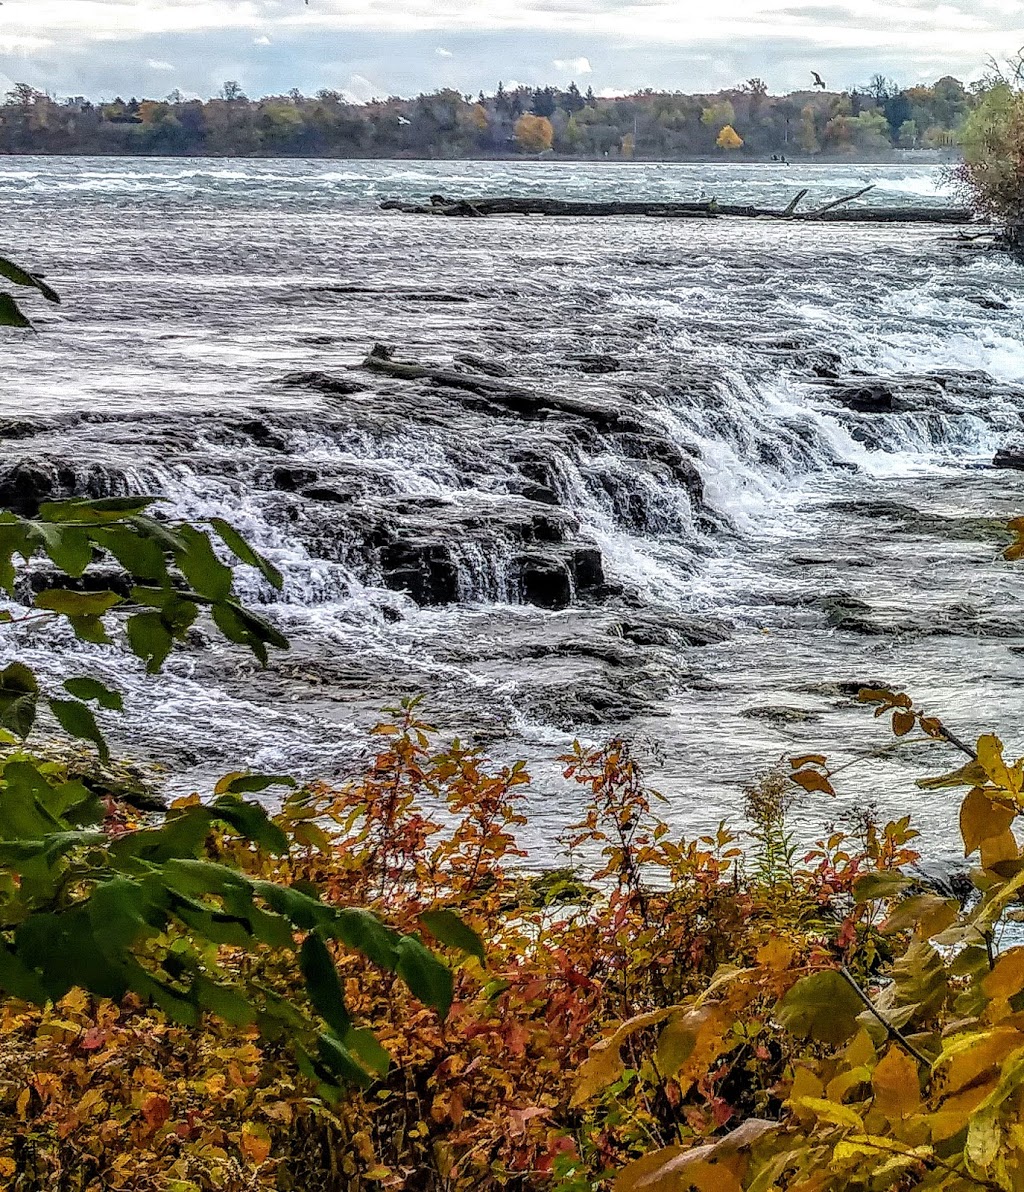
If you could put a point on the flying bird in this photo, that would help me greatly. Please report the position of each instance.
(818, 80)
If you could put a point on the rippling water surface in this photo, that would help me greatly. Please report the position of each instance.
(771, 439)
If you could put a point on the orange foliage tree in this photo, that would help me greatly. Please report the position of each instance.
(534, 134)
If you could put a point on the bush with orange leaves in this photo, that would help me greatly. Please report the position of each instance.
(600, 1028)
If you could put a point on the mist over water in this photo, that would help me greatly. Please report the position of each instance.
(785, 456)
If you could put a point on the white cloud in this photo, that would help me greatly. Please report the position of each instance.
(573, 66)
(157, 64)
(441, 52)
(262, 40)
(359, 89)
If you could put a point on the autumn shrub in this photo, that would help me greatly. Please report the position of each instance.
(616, 1011)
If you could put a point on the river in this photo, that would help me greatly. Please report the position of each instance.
(756, 473)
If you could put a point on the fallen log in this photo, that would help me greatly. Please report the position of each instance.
(838, 210)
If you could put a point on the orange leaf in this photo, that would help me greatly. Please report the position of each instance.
(255, 1142)
(156, 1109)
(808, 759)
(896, 1084)
(812, 780)
(902, 723)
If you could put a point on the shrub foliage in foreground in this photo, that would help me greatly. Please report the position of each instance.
(732, 1019)
(90, 902)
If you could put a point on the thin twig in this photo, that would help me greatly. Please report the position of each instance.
(896, 1035)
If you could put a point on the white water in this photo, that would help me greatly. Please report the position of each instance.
(190, 287)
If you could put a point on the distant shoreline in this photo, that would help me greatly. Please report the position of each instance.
(924, 157)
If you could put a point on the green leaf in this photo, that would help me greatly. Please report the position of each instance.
(140, 556)
(822, 1007)
(251, 821)
(239, 784)
(323, 985)
(11, 314)
(92, 689)
(90, 629)
(222, 1000)
(19, 696)
(304, 912)
(245, 628)
(243, 551)
(365, 933)
(68, 546)
(15, 539)
(149, 639)
(77, 719)
(77, 604)
(100, 512)
(17, 979)
(447, 928)
(873, 886)
(21, 277)
(201, 567)
(363, 1043)
(339, 1062)
(116, 913)
(426, 976)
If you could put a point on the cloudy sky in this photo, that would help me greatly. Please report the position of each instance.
(102, 48)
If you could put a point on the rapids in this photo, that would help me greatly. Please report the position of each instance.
(704, 478)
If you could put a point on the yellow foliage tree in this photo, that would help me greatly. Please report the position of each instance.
(534, 134)
(729, 138)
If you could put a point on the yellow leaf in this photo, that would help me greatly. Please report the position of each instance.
(7, 1166)
(830, 1111)
(1006, 980)
(603, 1066)
(990, 755)
(777, 954)
(997, 849)
(24, 1097)
(896, 1084)
(981, 817)
(704, 1168)
(972, 1058)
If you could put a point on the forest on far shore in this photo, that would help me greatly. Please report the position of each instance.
(744, 122)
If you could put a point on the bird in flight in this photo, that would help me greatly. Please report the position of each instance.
(818, 80)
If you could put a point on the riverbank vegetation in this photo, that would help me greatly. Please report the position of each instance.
(218, 998)
(868, 122)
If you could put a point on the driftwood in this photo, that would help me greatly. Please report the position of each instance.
(835, 211)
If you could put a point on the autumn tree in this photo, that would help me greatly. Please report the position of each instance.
(534, 134)
(729, 139)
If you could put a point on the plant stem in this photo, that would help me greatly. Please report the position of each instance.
(896, 1035)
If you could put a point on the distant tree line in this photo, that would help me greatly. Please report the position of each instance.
(745, 121)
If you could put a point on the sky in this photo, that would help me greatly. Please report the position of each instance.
(369, 48)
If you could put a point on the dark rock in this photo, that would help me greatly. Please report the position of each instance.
(490, 367)
(866, 399)
(332, 493)
(29, 482)
(989, 303)
(781, 715)
(425, 570)
(544, 580)
(261, 434)
(587, 567)
(290, 478)
(1010, 457)
(322, 382)
(598, 363)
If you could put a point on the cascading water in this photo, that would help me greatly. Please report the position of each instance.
(689, 481)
